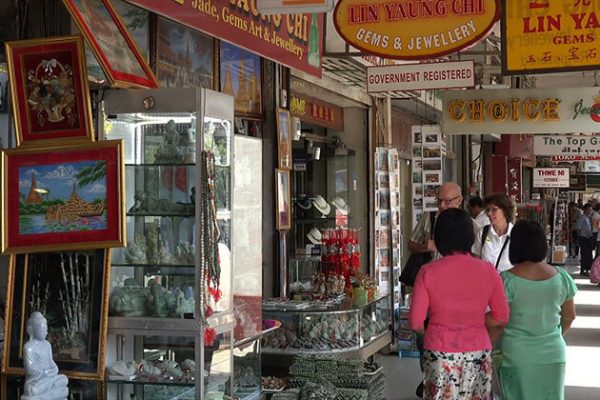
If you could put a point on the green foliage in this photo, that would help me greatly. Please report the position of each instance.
(91, 174)
(33, 209)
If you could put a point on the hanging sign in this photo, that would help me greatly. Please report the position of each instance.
(550, 177)
(315, 111)
(566, 146)
(574, 158)
(546, 36)
(414, 30)
(443, 75)
(267, 7)
(562, 110)
(294, 40)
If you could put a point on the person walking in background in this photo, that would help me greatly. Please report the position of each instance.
(541, 312)
(574, 213)
(595, 226)
(491, 241)
(421, 239)
(476, 208)
(455, 292)
(584, 236)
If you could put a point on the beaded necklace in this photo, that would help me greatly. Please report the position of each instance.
(210, 268)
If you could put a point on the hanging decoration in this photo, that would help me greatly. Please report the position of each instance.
(209, 237)
(341, 252)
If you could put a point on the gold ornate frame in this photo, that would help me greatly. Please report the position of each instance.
(17, 315)
(113, 235)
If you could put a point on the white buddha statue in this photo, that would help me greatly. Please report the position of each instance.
(42, 382)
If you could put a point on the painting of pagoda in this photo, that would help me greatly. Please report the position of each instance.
(241, 78)
(62, 197)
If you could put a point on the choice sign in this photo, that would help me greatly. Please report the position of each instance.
(414, 29)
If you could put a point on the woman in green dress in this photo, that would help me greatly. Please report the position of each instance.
(541, 311)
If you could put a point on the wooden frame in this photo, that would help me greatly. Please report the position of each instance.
(240, 75)
(49, 90)
(59, 198)
(283, 201)
(112, 44)
(284, 141)
(71, 290)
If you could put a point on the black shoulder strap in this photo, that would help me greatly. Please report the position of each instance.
(432, 220)
(502, 250)
(484, 233)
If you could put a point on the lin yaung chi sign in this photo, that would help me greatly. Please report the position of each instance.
(550, 35)
(414, 29)
(564, 110)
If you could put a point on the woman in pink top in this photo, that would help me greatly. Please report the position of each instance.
(455, 292)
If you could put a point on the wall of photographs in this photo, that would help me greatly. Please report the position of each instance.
(388, 235)
(427, 167)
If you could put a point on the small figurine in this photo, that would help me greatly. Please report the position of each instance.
(42, 382)
(168, 152)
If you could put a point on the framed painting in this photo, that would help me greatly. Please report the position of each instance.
(60, 198)
(241, 77)
(49, 91)
(284, 212)
(137, 22)
(71, 290)
(284, 143)
(185, 57)
(113, 46)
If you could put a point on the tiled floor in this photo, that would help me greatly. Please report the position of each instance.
(583, 352)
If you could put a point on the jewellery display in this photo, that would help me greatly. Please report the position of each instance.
(321, 205)
(314, 235)
(341, 252)
(341, 205)
(210, 268)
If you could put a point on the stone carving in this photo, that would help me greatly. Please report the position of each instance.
(42, 382)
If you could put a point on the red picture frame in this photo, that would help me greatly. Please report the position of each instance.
(59, 198)
(112, 44)
(49, 91)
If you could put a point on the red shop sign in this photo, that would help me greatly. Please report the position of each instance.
(294, 40)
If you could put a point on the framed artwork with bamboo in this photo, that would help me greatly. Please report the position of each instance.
(71, 290)
(60, 198)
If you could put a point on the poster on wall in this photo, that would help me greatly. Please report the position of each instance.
(241, 77)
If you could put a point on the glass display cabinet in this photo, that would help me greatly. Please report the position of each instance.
(346, 329)
(164, 295)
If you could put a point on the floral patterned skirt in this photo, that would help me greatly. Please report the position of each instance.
(464, 376)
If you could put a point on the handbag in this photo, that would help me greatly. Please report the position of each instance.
(413, 266)
(416, 261)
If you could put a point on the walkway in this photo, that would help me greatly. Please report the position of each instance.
(583, 352)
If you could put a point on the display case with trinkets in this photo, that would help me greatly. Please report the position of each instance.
(349, 327)
(171, 305)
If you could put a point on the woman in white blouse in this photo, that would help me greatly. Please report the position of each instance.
(491, 241)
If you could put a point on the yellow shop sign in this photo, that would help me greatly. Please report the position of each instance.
(548, 36)
(414, 29)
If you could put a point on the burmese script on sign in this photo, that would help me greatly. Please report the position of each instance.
(563, 145)
(445, 75)
(403, 29)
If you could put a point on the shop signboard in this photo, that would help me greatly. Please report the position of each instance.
(402, 30)
(548, 36)
(294, 40)
(417, 76)
(574, 158)
(266, 7)
(317, 112)
(522, 111)
(550, 177)
(567, 146)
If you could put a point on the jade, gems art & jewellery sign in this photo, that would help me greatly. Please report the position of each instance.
(414, 29)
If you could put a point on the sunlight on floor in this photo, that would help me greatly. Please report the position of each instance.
(586, 323)
(587, 297)
(582, 366)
